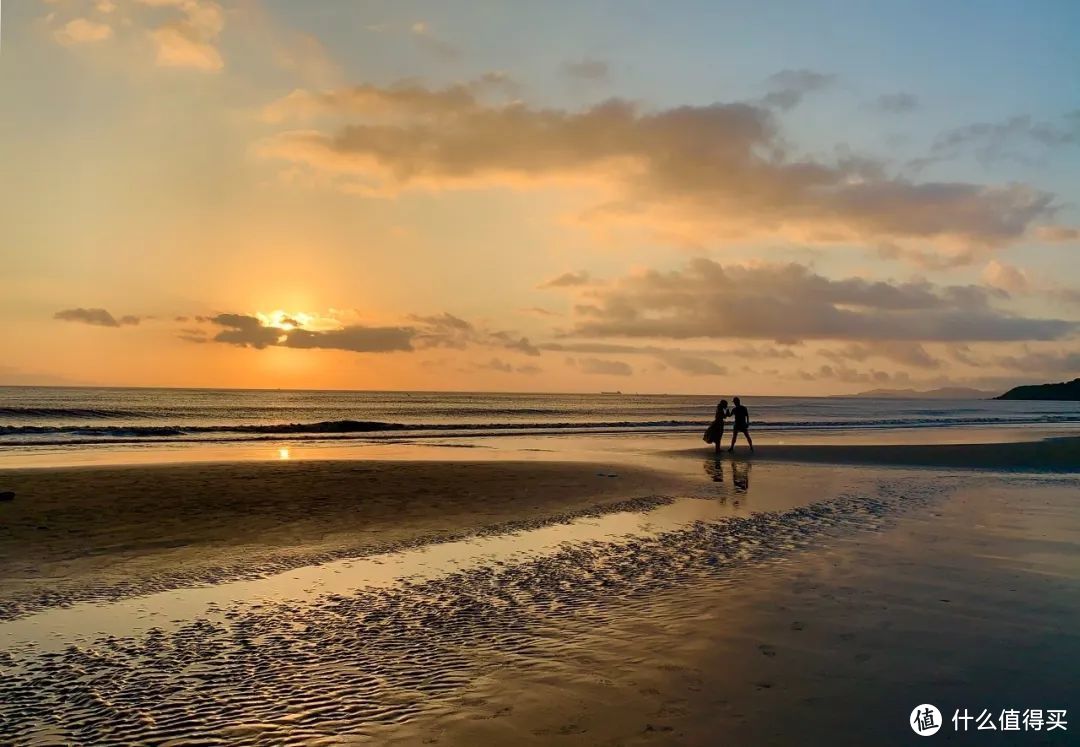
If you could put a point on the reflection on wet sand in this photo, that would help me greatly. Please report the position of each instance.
(740, 477)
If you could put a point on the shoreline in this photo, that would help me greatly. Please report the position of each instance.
(635, 446)
(644, 598)
(1058, 454)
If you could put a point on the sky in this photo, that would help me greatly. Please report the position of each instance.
(668, 197)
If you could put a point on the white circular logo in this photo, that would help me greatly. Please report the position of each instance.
(925, 720)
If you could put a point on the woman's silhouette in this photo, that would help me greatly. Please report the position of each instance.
(714, 434)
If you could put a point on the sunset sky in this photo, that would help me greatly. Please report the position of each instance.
(713, 197)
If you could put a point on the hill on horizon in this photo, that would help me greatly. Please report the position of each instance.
(1065, 391)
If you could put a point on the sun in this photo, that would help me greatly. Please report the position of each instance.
(285, 320)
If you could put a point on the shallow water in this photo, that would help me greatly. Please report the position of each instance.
(737, 489)
(642, 448)
(352, 646)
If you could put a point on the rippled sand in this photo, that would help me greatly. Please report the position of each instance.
(726, 603)
(108, 532)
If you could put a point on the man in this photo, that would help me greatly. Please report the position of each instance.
(742, 425)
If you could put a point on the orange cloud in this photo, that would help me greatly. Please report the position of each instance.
(176, 47)
(82, 31)
(789, 302)
(1005, 276)
(189, 42)
(185, 38)
(689, 174)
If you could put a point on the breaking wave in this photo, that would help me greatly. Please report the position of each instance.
(39, 435)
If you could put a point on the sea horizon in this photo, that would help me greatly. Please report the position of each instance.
(460, 391)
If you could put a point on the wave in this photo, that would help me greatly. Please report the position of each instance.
(65, 412)
(49, 435)
(329, 426)
(322, 427)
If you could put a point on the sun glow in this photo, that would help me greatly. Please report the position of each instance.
(284, 319)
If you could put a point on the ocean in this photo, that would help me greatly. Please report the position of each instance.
(78, 416)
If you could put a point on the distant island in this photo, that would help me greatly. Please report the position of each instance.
(948, 392)
(1068, 391)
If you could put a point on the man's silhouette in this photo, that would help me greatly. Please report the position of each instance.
(742, 424)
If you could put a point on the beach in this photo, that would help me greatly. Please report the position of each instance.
(481, 374)
(108, 532)
(802, 595)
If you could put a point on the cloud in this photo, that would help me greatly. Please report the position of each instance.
(567, 280)
(1005, 277)
(850, 375)
(788, 87)
(539, 311)
(1016, 139)
(189, 42)
(176, 47)
(742, 352)
(497, 364)
(1058, 234)
(601, 367)
(402, 101)
(694, 366)
(789, 302)
(898, 351)
(355, 338)
(896, 103)
(193, 335)
(184, 33)
(95, 317)
(82, 31)
(448, 331)
(688, 174)
(310, 332)
(249, 331)
(512, 342)
(246, 331)
(587, 70)
(1053, 362)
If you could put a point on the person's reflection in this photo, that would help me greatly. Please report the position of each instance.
(715, 469)
(740, 477)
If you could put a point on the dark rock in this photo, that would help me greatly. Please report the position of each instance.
(1068, 391)
(7, 495)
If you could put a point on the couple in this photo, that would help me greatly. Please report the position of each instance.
(715, 432)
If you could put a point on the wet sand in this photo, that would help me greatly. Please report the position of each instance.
(108, 532)
(968, 603)
(760, 601)
(1060, 454)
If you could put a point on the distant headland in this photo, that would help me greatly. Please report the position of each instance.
(1068, 391)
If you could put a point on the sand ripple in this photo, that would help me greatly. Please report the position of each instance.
(290, 673)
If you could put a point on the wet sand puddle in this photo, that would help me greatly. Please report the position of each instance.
(350, 647)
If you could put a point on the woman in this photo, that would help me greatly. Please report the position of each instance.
(714, 434)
